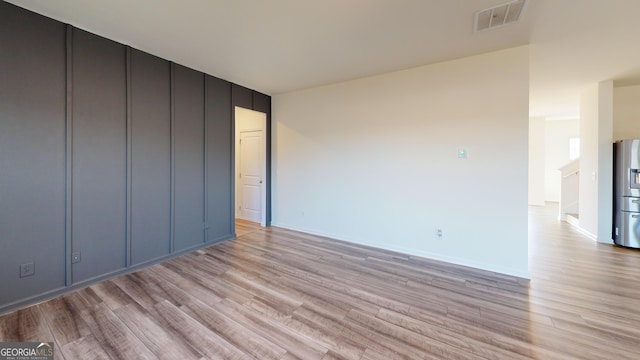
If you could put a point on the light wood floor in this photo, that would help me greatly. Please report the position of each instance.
(278, 294)
(244, 227)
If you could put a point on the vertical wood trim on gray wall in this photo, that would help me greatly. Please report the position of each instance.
(172, 166)
(129, 182)
(205, 159)
(69, 155)
(232, 166)
(231, 134)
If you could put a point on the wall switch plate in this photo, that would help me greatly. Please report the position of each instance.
(27, 269)
(75, 257)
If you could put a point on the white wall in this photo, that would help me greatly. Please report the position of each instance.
(556, 148)
(626, 112)
(596, 151)
(536, 161)
(374, 161)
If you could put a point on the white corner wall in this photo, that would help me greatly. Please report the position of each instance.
(374, 161)
(536, 161)
(596, 161)
(626, 112)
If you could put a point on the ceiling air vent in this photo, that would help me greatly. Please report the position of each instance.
(499, 15)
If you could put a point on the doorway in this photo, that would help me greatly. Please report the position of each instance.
(250, 165)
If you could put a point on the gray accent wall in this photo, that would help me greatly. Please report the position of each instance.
(150, 121)
(99, 155)
(189, 138)
(219, 153)
(242, 97)
(32, 153)
(111, 159)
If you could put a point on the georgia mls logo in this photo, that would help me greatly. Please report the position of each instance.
(26, 351)
(47, 346)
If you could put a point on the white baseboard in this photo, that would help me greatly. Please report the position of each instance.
(572, 220)
(415, 252)
(584, 232)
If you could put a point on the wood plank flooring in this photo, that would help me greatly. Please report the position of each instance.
(279, 294)
(245, 226)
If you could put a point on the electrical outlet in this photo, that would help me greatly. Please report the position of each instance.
(439, 233)
(27, 269)
(75, 257)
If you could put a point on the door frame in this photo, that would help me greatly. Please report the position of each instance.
(237, 113)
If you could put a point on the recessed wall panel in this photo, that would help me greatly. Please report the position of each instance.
(150, 113)
(219, 160)
(32, 152)
(99, 155)
(188, 118)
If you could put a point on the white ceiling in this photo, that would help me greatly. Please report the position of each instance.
(277, 46)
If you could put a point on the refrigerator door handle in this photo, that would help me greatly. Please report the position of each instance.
(635, 201)
(635, 216)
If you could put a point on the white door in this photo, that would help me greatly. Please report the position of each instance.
(251, 175)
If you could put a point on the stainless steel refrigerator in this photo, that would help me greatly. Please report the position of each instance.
(626, 193)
